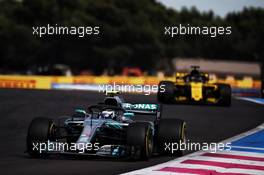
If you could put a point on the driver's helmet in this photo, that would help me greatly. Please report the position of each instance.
(196, 76)
(108, 114)
(79, 113)
(195, 73)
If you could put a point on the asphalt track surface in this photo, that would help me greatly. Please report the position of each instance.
(19, 107)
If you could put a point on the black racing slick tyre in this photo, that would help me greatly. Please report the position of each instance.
(140, 138)
(166, 92)
(171, 134)
(225, 94)
(40, 130)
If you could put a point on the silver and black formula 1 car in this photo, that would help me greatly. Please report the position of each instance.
(107, 129)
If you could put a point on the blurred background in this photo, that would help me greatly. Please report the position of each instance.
(132, 40)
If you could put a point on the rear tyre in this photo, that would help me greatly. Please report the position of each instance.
(166, 92)
(171, 132)
(225, 94)
(40, 130)
(140, 138)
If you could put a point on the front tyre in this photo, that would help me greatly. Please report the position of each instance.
(140, 137)
(171, 132)
(40, 130)
(225, 94)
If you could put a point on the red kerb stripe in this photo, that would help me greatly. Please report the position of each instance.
(223, 164)
(196, 171)
(233, 157)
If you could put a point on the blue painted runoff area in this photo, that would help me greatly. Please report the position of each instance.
(258, 100)
(253, 99)
(250, 143)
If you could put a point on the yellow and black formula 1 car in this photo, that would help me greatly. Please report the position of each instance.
(194, 88)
